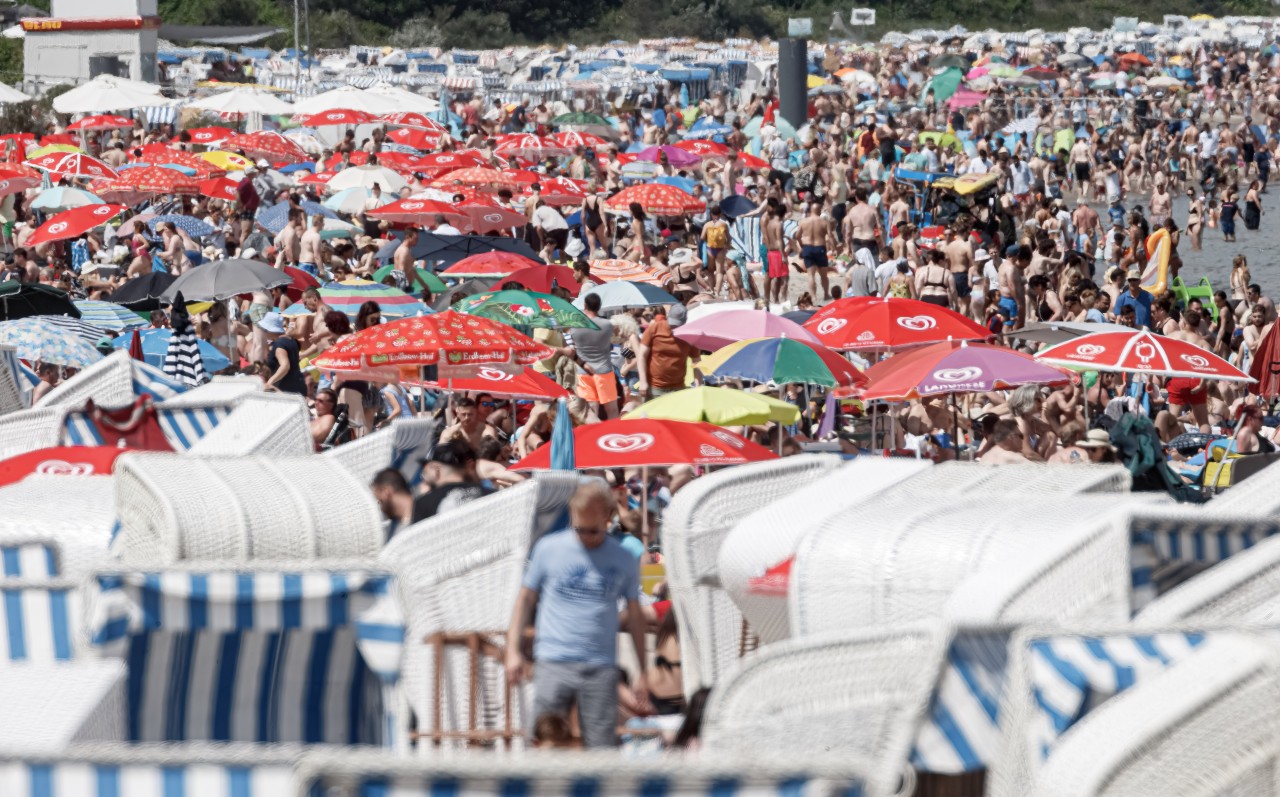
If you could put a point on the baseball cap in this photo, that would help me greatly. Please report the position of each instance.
(272, 322)
(677, 315)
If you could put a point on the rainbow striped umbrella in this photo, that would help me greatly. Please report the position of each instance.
(108, 315)
(348, 295)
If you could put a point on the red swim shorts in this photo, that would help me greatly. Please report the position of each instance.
(1187, 392)
(777, 266)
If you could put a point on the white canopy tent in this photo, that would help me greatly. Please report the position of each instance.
(10, 94)
(108, 93)
(350, 98)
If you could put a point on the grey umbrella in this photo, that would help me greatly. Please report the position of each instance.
(223, 279)
(446, 299)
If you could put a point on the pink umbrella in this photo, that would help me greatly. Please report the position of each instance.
(966, 97)
(976, 72)
(675, 156)
(718, 330)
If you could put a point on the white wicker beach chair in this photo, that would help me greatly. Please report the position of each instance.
(1257, 495)
(1246, 587)
(188, 417)
(459, 573)
(906, 560)
(349, 773)
(237, 509)
(74, 516)
(33, 429)
(49, 706)
(770, 534)
(290, 652)
(861, 694)
(695, 524)
(277, 424)
(191, 769)
(108, 382)
(12, 395)
(396, 446)
(42, 621)
(968, 478)
(1207, 726)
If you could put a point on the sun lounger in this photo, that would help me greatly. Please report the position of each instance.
(700, 516)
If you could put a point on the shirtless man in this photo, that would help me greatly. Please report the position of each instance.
(1013, 287)
(1256, 329)
(815, 236)
(1006, 449)
(404, 260)
(289, 241)
(1085, 220)
(959, 252)
(862, 224)
(310, 329)
(1080, 163)
(903, 244)
(311, 247)
(777, 275)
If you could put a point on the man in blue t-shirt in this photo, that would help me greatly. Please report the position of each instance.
(576, 577)
(1136, 298)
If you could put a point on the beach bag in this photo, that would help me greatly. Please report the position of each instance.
(575, 246)
(136, 426)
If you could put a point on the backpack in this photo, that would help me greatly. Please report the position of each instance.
(718, 235)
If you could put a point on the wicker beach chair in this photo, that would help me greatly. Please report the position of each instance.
(108, 383)
(400, 445)
(350, 773)
(31, 430)
(222, 510)
(700, 515)
(291, 652)
(968, 478)
(770, 534)
(276, 424)
(73, 517)
(907, 560)
(1246, 587)
(185, 770)
(458, 576)
(42, 620)
(50, 706)
(189, 416)
(1177, 710)
(12, 395)
(861, 694)
(1259, 494)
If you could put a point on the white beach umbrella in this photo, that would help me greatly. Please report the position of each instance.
(9, 94)
(348, 98)
(109, 93)
(404, 99)
(243, 100)
(366, 176)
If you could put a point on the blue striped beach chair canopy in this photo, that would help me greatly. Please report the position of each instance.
(588, 774)
(266, 656)
(189, 770)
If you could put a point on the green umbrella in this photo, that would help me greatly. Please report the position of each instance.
(949, 61)
(579, 118)
(943, 140)
(434, 283)
(944, 84)
(525, 308)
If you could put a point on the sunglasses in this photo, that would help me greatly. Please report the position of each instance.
(488, 404)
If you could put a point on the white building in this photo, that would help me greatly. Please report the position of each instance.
(82, 39)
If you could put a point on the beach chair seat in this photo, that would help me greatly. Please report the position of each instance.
(1180, 709)
(285, 653)
(52, 705)
(694, 526)
(14, 394)
(770, 530)
(73, 517)
(176, 507)
(187, 417)
(1246, 587)
(860, 693)
(277, 424)
(185, 770)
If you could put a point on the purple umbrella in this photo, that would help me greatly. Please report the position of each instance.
(675, 156)
(718, 330)
(952, 367)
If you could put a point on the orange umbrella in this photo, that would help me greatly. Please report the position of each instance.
(656, 198)
(627, 271)
(477, 176)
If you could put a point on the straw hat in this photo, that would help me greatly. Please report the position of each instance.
(1096, 438)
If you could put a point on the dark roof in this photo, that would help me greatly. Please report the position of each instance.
(216, 34)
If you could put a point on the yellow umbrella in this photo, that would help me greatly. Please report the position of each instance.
(1202, 18)
(45, 150)
(815, 81)
(227, 161)
(719, 405)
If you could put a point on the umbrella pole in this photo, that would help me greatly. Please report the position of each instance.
(644, 505)
(955, 427)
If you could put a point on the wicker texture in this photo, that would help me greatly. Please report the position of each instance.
(460, 572)
(223, 391)
(236, 509)
(1205, 726)
(31, 430)
(770, 535)
(968, 478)
(694, 526)
(273, 424)
(1244, 587)
(75, 514)
(363, 458)
(11, 395)
(902, 560)
(1257, 495)
(51, 705)
(108, 382)
(861, 694)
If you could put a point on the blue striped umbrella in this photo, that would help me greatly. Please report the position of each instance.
(276, 217)
(108, 315)
(155, 344)
(188, 224)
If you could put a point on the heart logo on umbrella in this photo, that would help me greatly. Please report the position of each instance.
(411, 205)
(727, 438)
(831, 325)
(917, 323)
(492, 217)
(625, 443)
(57, 467)
(967, 374)
(708, 450)
(1089, 350)
(493, 375)
(1195, 360)
(57, 227)
(102, 211)
(333, 116)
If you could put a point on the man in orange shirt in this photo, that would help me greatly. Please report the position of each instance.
(664, 358)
